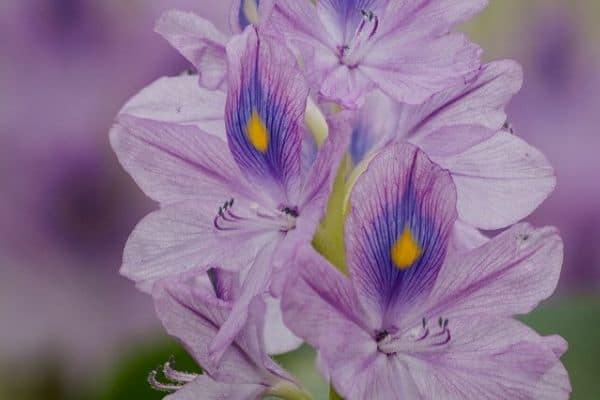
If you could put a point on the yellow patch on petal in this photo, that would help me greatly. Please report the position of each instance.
(257, 132)
(406, 250)
(250, 9)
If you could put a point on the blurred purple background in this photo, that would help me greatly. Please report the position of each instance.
(557, 111)
(66, 67)
(66, 208)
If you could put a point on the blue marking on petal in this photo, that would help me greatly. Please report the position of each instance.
(402, 210)
(264, 105)
(386, 229)
(361, 144)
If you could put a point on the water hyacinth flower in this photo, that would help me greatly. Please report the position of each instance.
(203, 44)
(416, 321)
(402, 48)
(240, 198)
(499, 178)
(192, 312)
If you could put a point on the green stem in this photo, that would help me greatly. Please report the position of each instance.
(288, 391)
(333, 395)
(329, 238)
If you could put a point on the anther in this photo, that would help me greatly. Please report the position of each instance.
(381, 335)
(367, 13)
(291, 211)
(189, 72)
(507, 127)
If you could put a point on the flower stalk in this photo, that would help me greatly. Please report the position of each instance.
(286, 390)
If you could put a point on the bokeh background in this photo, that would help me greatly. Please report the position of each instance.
(72, 328)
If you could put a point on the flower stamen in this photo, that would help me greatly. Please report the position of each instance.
(177, 378)
(161, 387)
(349, 53)
(420, 339)
(255, 218)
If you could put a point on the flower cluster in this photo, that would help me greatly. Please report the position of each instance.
(323, 175)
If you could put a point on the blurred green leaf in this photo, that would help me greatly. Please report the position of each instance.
(130, 380)
(333, 395)
(301, 363)
(578, 321)
(42, 379)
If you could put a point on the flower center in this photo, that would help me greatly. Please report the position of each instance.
(419, 339)
(351, 52)
(255, 218)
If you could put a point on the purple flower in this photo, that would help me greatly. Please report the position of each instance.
(193, 311)
(402, 48)
(203, 44)
(238, 196)
(414, 320)
(499, 178)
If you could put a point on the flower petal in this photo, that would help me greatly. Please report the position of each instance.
(199, 41)
(402, 213)
(499, 181)
(479, 103)
(318, 182)
(310, 38)
(181, 237)
(255, 285)
(375, 124)
(491, 358)
(318, 300)
(412, 72)
(429, 17)
(171, 162)
(278, 337)
(203, 387)
(320, 305)
(508, 275)
(189, 313)
(180, 100)
(466, 237)
(303, 23)
(378, 377)
(265, 110)
(345, 85)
